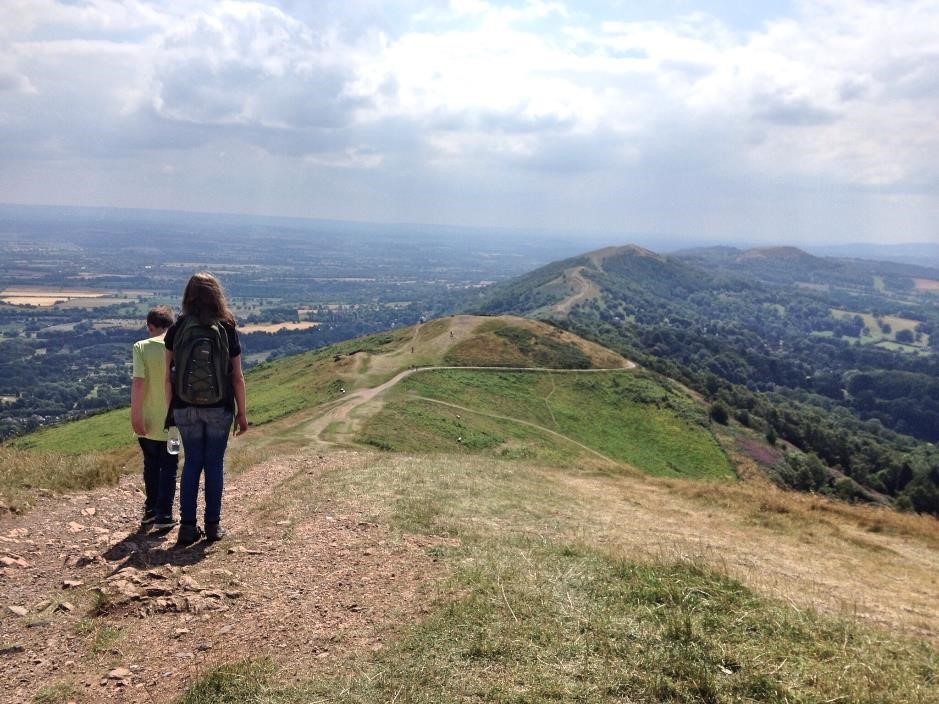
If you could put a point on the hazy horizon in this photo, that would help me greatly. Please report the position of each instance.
(554, 240)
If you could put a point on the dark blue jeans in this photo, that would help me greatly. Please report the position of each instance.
(205, 436)
(159, 477)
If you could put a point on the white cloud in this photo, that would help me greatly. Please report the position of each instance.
(840, 96)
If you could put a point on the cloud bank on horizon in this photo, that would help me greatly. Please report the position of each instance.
(789, 121)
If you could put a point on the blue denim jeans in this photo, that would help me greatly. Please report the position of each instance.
(205, 436)
(159, 477)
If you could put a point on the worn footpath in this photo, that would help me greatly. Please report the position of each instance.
(94, 610)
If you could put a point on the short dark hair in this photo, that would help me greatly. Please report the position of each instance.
(160, 317)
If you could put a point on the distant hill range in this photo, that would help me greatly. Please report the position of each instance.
(836, 356)
(917, 253)
(670, 277)
(786, 265)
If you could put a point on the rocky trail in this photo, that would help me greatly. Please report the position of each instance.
(95, 611)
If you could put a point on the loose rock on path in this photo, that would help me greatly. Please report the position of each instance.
(97, 611)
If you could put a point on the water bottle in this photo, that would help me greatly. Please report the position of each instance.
(173, 441)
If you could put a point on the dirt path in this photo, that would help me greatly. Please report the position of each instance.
(102, 613)
(583, 289)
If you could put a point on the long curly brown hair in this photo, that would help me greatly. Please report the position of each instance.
(204, 299)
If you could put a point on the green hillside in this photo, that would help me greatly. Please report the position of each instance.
(628, 417)
(300, 388)
(302, 382)
(834, 357)
(98, 433)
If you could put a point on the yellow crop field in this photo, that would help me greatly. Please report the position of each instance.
(274, 327)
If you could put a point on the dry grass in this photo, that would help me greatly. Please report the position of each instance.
(875, 565)
(23, 473)
(762, 496)
(573, 586)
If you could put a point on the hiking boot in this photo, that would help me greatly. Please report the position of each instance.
(164, 523)
(148, 517)
(188, 535)
(214, 531)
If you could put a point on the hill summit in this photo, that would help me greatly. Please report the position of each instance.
(776, 253)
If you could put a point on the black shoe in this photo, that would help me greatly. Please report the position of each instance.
(146, 522)
(164, 523)
(188, 535)
(214, 531)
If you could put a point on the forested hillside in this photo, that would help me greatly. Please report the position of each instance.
(834, 357)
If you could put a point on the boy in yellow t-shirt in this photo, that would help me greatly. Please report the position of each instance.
(148, 416)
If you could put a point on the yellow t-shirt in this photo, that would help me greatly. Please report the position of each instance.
(150, 365)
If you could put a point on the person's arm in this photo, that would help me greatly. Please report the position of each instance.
(137, 389)
(238, 385)
(168, 379)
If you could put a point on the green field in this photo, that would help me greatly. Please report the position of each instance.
(885, 339)
(629, 417)
(275, 390)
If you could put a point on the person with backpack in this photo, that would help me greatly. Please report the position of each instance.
(206, 387)
(147, 411)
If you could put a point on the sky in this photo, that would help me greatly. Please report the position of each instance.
(774, 121)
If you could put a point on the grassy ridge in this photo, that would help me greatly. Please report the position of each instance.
(537, 609)
(498, 344)
(631, 417)
(275, 390)
(286, 386)
(514, 342)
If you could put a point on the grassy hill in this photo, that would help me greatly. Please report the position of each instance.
(564, 586)
(834, 357)
(286, 394)
(488, 509)
(624, 417)
(292, 384)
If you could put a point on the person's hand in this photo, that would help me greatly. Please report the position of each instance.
(138, 426)
(241, 424)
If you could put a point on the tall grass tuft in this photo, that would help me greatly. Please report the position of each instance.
(22, 473)
(244, 682)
